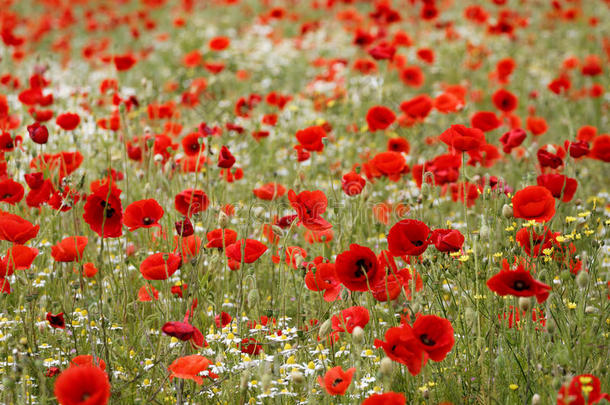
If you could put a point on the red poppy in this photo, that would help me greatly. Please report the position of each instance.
(390, 287)
(148, 293)
(88, 360)
(398, 145)
(418, 107)
(184, 228)
(310, 205)
(577, 149)
(512, 139)
(189, 367)
(390, 164)
(408, 237)
(252, 250)
(215, 238)
(352, 183)
(269, 191)
(388, 398)
(350, 318)
(485, 121)
(383, 51)
(250, 346)
(600, 149)
(219, 43)
(160, 266)
(190, 201)
(185, 332)
(38, 133)
(584, 389)
(548, 159)
(11, 192)
(311, 138)
(69, 249)
(225, 159)
(412, 76)
(193, 144)
(534, 203)
(142, 214)
(124, 62)
(462, 138)
(18, 257)
(403, 346)
(447, 240)
(435, 334)
(534, 243)
(536, 125)
(104, 212)
(357, 268)
(82, 385)
(518, 282)
(67, 121)
(325, 279)
(15, 229)
(379, 117)
(559, 185)
(56, 321)
(336, 381)
(504, 100)
(222, 320)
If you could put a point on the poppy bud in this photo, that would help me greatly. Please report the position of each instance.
(471, 317)
(297, 377)
(266, 382)
(253, 297)
(536, 400)
(484, 232)
(525, 303)
(223, 219)
(158, 158)
(358, 335)
(243, 382)
(298, 260)
(591, 310)
(386, 367)
(582, 279)
(551, 326)
(277, 231)
(425, 393)
(507, 211)
(325, 328)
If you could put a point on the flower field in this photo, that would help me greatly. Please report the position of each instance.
(305, 202)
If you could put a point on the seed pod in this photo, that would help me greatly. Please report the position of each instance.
(582, 279)
(507, 211)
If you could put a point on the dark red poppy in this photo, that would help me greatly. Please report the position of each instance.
(142, 214)
(56, 321)
(350, 318)
(379, 117)
(412, 76)
(534, 203)
(269, 191)
(402, 345)
(124, 62)
(190, 201)
(69, 249)
(383, 51)
(352, 183)
(160, 266)
(311, 138)
(462, 138)
(408, 237)
(68, 121)
(447, 240)
(104, 212)
(38, 133)
(310, 205)
(185, 332)
(512, 139)
(82, 385)
(184, 228)
(221, 238)
(250, 346)
(518, 282)
(504, 100)
(577, 149)
(225, 159)
(15, 229)
(357, 268)
(52, 372)
(11, 192)
(548, 159)
(559, 185)
(252, 250)
(435, 335)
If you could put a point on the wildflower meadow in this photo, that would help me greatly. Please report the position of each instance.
(377, 202)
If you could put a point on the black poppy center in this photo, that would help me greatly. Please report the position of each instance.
(108, 211)
(426, 340)
(194, 146)
(417, 243)
(147, 220)
(363, 267)
(520, 285)
(337, 382)
(9, 145)
(85, 396)
(7, 195)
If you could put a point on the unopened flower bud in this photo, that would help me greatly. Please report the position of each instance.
(551, 326)
(266, 382)
(536, 399)
(223, 219)
(525, 303)
(507, 211)
(253, 297)
(325, 328)
(297, 377)
(590, 309)
(358, 335)
(582, 279)
(484, 232)
(386, 367)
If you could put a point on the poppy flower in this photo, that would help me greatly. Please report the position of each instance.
(577, 149)
(559, 185)
(390, 287)
(462, 138)
(390, 164)
(160, 266)
(89, 270)
(548, 159)
(357, 268)
(82, 385)
(252, 250)
(269, 191)
(11, 192)
(336, 380)
(15, 229)
(534, 203)
(383, 51)
(88, 360)
(504, 100)
(124, 62)
(104, 212)
(189, 368)
(412, 76)
(38, 133)
(518, 282)
(398, 145)
(222, 320)
(408, 237)
(485, 121)
(219, 43)
(148, 293)
(350, 318)
(435, 334)
(352, 183)
(250, 346)
(189, 246)
(309, 205)
(447, 240)
(418, 107)
(402, 345)
(185, 332)
(69, 249)
(600, 149)
(18, 257)
(536, 125)
(311, 138)
(534, 243)
(325, 279)
(56, 321)
(215, 238)
(512, 139)
(190, 201)
(388, 398)
(184, 228)
(225, 159)
(193, 144)
(379, 117)
(68, 121)
(584, 389)
(142, 214)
